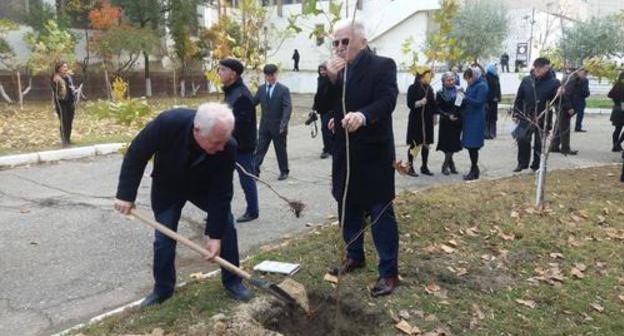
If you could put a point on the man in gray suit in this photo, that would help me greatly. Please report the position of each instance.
(274, 98)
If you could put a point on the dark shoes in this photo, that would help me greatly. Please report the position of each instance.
(519, 168)
(154, 299)
(445, 169)
(412, 173)
(569, 152)
(246, 217)
(384, 286)
(473, 174)
(617, 148)
(425, 171)
(452, 167)
(580, 130)
(282, 176)
(349, 265)
(325, 155)
(239, 292)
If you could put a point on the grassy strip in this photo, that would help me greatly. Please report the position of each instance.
(475, 259)
(592, 102)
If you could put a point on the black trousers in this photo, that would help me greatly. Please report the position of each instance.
(328, 136)
(524, 149)
(279, 143)
(561, 137)
(65, 112)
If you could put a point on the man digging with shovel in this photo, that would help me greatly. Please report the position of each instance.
(194, 160)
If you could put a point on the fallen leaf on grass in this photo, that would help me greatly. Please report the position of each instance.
(447, 248)
(407, 329)
(507, 237)
(197, 276)
(583, 214)
(514, 214)
(597, 307)
(432, 288)
(529, 303)
(556, 255)
(461, 272)
(478, 311)
(577, 273)
(621, 297)
(452, 243)
(330, 278)
(581, 267)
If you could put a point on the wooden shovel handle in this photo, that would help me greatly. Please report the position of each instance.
(173, 235)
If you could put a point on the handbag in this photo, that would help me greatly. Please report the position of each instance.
(522, 131)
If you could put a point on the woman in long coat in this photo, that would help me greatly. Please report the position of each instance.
(473, 118)
(63, 92)
(617, 114)
(449, 132)
(422, 105)
(494, 96)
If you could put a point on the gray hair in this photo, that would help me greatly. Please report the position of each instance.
(448, 74)
(476, 71)
(211, 114)
(357, 26)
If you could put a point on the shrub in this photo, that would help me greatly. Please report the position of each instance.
(123, 112)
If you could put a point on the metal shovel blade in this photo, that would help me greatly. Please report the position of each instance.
(274, 290)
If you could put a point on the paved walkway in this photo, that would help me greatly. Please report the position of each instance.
(66, 256)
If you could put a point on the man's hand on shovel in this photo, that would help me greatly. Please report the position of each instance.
(213, 246)
(122, 206)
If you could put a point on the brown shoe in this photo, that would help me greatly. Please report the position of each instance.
(347, 266)
(384, 286)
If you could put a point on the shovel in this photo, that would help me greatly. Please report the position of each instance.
(266, 286)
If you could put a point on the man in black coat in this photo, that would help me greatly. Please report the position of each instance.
(274, 99)
(371, 95)
(240, 100)
(324, 105)
(535, 92)
(580, 92)
(193, 161)
(565, 111)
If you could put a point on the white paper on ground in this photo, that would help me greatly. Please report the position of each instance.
(277, 267)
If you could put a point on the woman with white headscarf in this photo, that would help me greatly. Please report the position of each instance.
(473, 117)
(449, 132)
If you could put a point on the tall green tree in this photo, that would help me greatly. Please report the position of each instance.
(144, 14)
(480, 28)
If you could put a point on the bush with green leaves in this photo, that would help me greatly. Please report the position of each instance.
(125, 112)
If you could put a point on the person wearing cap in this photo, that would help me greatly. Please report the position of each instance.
(275, 102)
(240, 100)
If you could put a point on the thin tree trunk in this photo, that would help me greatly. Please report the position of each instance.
(4, 95)
(148, 79)
(183, 88)
(107, 83)
(175, 83)
(20, 96)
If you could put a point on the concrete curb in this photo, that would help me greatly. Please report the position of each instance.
(10, 161)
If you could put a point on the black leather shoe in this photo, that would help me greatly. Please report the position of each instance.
(569, 152)
(325, 155)
(384, 286)
(535, 168)
(349, 265)
(239, 292)
(412, 173)
(153, 299)
(246, 218)
(519, 169)
(580, 130)
(452, 167)
(282, 176)
(617, 148)
(425, 171)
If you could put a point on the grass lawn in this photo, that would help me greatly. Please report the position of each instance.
(475, 259)
(37, 127)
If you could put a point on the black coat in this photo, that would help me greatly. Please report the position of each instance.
(578, 90)
(204, 179)
(240, 100)
(449, 132)
(324, 100)
(617, 95)
(493, 97)
(372, 90)
(533, 95)
(415, 126)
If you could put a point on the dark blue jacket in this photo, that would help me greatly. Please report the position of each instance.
(372, 90)
(534, 93)
(473, 114)
(204, 179)
(240, 100)
(579, 91)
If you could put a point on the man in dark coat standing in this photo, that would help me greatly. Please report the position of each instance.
(324, 105)
(193, 161)
(274, 99)
(371, 96)
(240, 100)
(580, 92)
(535, 92)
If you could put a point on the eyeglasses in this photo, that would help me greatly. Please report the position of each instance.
(344, 41)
